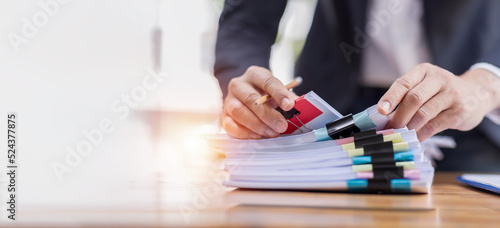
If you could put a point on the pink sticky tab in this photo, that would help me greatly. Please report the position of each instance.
(364, 175)
(345, 140)
(413, 174)
(351, 139)
(386, 132)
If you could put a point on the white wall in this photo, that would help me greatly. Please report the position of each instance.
(83, 59)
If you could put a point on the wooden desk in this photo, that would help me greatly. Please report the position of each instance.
(207, 203)
(450, 204)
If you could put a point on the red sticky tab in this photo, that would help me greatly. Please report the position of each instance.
(307, 113)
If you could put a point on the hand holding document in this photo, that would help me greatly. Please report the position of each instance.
(327, 151)
(296, 82)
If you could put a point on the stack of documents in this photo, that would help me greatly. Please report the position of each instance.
(351, 153)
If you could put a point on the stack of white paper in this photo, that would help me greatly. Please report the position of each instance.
(371, 160)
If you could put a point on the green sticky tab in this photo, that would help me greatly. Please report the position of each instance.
(362, 168)
(348, 146)
(321, 134)
(356, 152)
(406, 164)
(400, 147)
(363, 121)
(395, 138)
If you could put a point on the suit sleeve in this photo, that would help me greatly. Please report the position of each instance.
(247, 30)
(493, 57)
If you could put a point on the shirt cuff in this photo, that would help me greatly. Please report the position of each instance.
(495, 114)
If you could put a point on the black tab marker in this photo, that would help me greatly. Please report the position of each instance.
(383, 166)
(389, 173)
(370, 139)
(379, 185)
(342, 128)
(378, 148)
(364, 134)
(382, 158)
(288, 114)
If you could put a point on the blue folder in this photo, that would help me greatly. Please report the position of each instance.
(489, 182)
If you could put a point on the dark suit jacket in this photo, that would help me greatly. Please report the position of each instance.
(459, 32)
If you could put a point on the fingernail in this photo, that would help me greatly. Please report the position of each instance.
(280, 126)
(271, 133)
(285, 102)
(385, 106)
(255, 136)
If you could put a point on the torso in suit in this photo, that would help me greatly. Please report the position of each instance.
(459, 33)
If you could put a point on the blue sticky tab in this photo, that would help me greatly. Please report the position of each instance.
(363, 121)
(401, 185)
(321, 134)
(357, 184)
(404, 156)
(361, 160)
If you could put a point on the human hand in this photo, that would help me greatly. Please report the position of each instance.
(432, 99)
(241, 118)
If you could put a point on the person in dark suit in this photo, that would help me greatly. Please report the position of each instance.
(352, 44)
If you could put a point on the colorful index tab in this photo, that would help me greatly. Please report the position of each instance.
(363, 122)
(369, 167)
(413, 174)
(396, 138)
(397, 185)
(403, 156)
(397, 147)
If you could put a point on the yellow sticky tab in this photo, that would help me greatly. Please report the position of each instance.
(406, 165)
(362, 168)
(356, 152)
(395, 138)
(348, 146)
(400, 147)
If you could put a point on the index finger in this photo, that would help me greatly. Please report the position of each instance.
(400, 88)
(266, 82)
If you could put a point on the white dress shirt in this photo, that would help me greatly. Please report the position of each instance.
(397, 41)
(397, 44)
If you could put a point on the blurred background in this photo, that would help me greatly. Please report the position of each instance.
(113, 99)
